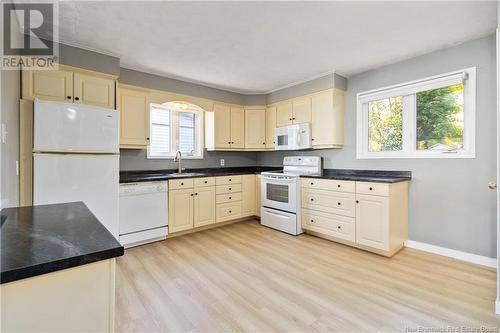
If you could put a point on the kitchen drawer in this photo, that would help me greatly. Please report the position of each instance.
(221, 189)
(372, 188)
(330, 224)
(224, 180)
(205, 181)
(329, 184)
(228, 211)
(228, 197)
(329, 201)
(176, 184)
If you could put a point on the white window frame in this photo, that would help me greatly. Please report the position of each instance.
(175, 108)
(408, 90)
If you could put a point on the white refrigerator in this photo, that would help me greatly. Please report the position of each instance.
(76, 158)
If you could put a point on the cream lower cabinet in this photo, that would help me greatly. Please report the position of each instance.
(247, 195)
(258, 203)
(371, 216)
(191, 203)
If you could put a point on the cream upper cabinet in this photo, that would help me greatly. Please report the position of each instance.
(284, 114)
(133, 106)
(204, 206)
(270, 126)
(372, 221)
(328, 119)
(94, 90)
(222, 126)
(247, 195)
(237, 127)
(55, 85)
(180, 210)
(301, 110)
(255, 128)
(70, 84)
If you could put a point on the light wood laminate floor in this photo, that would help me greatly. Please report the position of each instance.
(248, 278)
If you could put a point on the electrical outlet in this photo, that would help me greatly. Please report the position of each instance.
(221, 162)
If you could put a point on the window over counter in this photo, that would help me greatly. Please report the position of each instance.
(428, 118)
(175, 126)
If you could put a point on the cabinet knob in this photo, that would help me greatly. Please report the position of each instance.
(338, 186)
(339, 227)
(229, 142)
(76, 98)
(357, 201)
(293, 118)
(229, 179)
(182, 184)
(229, 189)
(312, 221)
(371, 188)
(312, 199)
(338, 203)
(230, 212)
(312, 139)
(68, 97)
(147, 139)
(229, 198)
(263, 143)
(289, 118)
(312, 183)
(206, 181)
(196, 194)
(232, 142)
(191, 194)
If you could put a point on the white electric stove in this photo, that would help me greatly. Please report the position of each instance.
(281, 194)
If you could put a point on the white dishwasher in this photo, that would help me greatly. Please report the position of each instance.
(143, 212)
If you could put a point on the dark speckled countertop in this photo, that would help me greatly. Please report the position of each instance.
(379, 176)
(155, 175)
(37, 240)
(376, 176)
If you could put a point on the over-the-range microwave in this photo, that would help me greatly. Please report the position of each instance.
(294, 137)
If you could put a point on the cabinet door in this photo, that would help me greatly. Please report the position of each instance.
(204, 206)
(270, 127)
(237, 127)
(93, 90)
(133, 107)
(302, 111)
(248, 195)
(372, 221)
(180, 210)
(322, 118)
(222, 120)
(255, 129)
(56, 85)
(284, 114)
(257, 195)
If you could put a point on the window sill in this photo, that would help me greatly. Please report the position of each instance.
(173, 157)
(437, 155)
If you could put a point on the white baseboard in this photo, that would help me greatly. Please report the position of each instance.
(464, 256)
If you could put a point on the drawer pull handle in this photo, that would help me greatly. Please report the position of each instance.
(338, 203)
(312, 183)
(229, 179)
(206, 181)
(182, 184)
(230, 212)
(339, 227)
(229, 189)
(371, 188)
(338, 186)
(229, 198)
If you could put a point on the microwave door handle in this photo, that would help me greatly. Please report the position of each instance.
(299, 137)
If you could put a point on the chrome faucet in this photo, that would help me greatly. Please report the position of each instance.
(178, 158)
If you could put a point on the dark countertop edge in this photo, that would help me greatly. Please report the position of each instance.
(371, 179)
(58, 265)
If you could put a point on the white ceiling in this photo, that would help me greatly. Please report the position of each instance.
(257, 47)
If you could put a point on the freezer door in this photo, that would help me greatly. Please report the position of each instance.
(68, 127)
(93, 179)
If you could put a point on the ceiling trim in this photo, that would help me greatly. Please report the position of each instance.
(301, 81)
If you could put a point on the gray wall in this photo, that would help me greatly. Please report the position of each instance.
(132, 77)
(77, 57)
(450, 203)
(10, 94)
(308, 87)
(131, 159)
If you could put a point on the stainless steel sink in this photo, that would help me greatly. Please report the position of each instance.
(185, 174)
